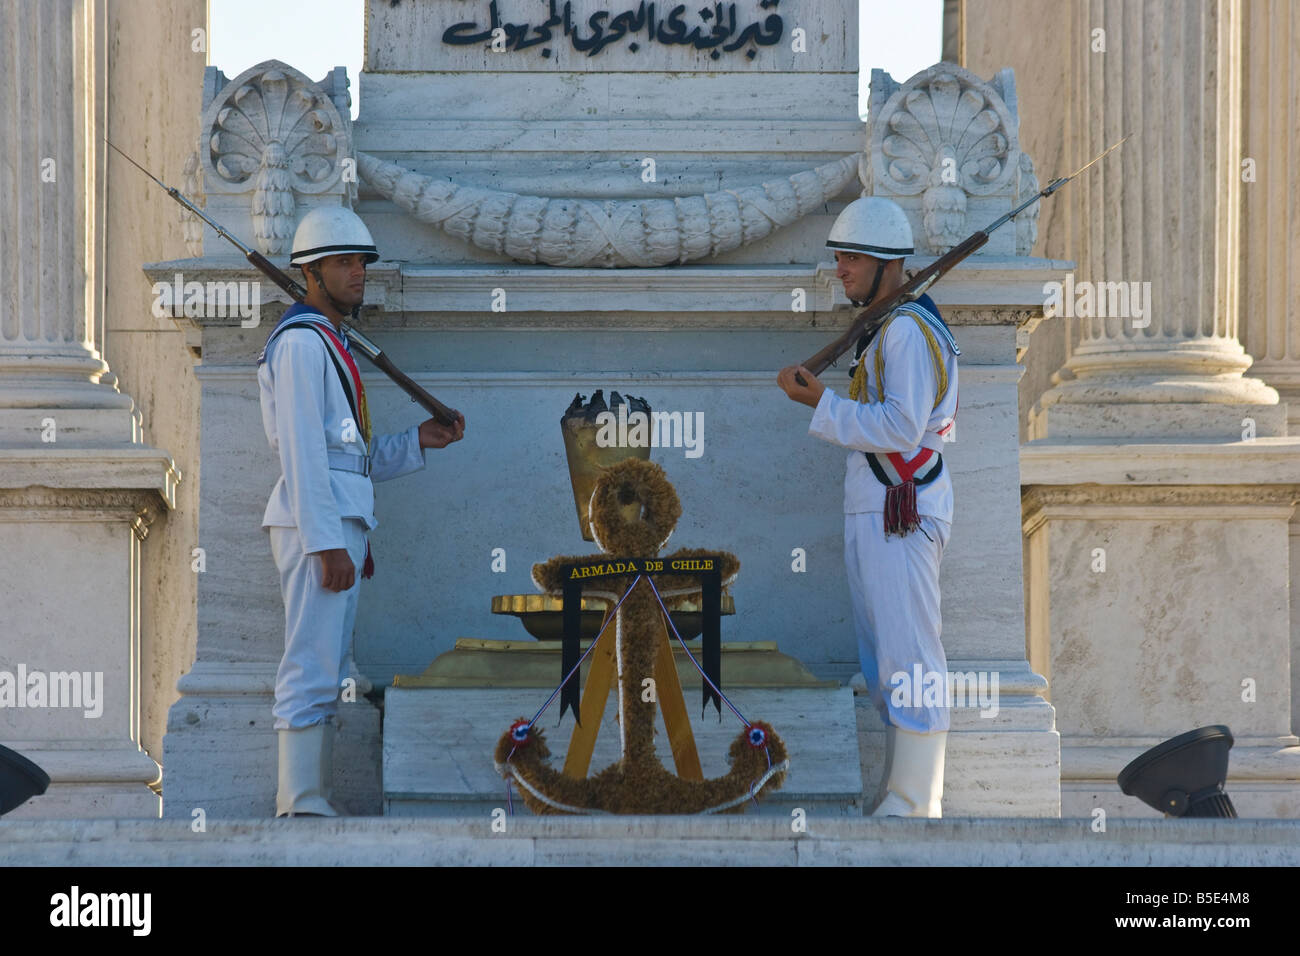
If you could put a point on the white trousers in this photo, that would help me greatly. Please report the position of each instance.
(894, 584)
(317, 628)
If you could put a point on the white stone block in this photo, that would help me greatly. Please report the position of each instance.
(412, 37)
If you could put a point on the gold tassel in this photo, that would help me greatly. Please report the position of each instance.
(858, 384)
(365, 418)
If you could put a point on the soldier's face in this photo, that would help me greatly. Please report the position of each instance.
(345, 276)
(856, 270)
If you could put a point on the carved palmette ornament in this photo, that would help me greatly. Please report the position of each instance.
(611, 233)
(273, 205)
(946, 137)
(276, 134)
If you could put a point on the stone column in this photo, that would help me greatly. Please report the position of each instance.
(48, 269)
(1159, 232)
(1158, 481)
(1270, 159)
(1270, 154)
(78, 489)
(954, 32)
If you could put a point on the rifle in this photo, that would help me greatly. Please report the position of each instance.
(915, 287)
(440, 412)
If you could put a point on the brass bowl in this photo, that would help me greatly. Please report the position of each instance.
(542, 615)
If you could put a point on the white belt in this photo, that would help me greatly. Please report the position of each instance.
(346, 461)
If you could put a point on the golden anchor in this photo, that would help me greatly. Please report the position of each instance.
(637, 782)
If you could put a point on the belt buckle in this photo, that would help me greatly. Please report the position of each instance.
(365, 463)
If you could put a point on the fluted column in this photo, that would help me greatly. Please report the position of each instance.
(1271, 206)
(1163, 212)
(48, 199)
(1153, 456)
(78, 487)
(1271, 219)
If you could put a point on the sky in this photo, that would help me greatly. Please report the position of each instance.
(317, 35)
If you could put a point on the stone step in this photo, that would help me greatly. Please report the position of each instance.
(651, 841)
(438, 746)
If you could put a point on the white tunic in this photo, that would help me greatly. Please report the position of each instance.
(314, 508)
(305, 413)
(906, 418)
(894, 581)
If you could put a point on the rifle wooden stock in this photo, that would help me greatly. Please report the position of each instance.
(272, 272)
(443, 414)
(909, 291)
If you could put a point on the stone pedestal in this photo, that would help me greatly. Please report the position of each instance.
(78, 488)
(1003, 762)
(1159, 480)
(225, 701)
(441, 727)
(1160, 605)
(649, 220)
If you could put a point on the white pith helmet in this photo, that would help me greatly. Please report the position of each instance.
(875, 226)
(331, 231)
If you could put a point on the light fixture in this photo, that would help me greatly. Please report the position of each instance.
(1184, 776)
(20, 780)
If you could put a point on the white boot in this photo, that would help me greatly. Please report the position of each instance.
(300, 788)
(890, 732)
(327, 761)
(916, 778)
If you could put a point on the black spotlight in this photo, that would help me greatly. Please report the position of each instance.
(1184, 776)
(20, 780)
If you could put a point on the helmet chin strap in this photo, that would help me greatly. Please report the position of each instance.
(342, 307)
(875, 287)
(875, 283)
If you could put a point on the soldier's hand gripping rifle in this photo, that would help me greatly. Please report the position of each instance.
(440, 412)
(916, 286)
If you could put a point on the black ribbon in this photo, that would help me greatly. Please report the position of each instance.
(711, 609)
(575, 575)
(570, 694)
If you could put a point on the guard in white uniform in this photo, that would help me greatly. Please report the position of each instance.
(897, 497)
(316, 418)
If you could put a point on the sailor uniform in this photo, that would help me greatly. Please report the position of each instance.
(898, 503)
(315, 416)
